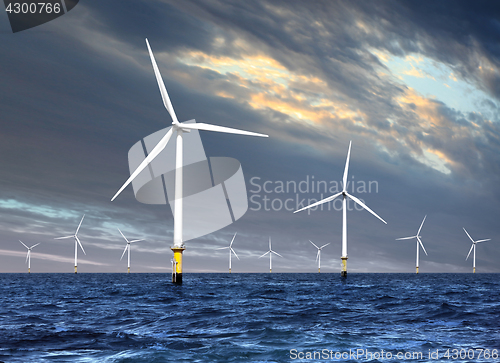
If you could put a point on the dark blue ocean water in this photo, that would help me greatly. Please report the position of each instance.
(248, 317)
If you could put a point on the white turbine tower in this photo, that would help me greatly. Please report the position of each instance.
(28, 256)
(473, 247)
(231, 251)
(127, 247)
(318, 256)
(344, 211)
(177, 128)
(271, 256)
(77, 242)
(419, 242)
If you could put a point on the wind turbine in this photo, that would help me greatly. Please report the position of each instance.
(271, 256)
(28, 256)
(473, 247)
(127, 247)
(419, 242)
(318, 256)
(177, 128)
(344, 211)
(77, 242)
(231, 251)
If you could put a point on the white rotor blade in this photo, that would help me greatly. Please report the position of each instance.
(153, 154)
(399, 239)
(65, 237)
(421, 225)
(232, 240)
(163, 90)
(469, 236)
(483, 240)
(332, 197)
(421, 244)
(222, 248)
(122, 235)
(27, 246)
(364, 206)
(265, 254)
(346, 169)
(235, 254)
(276, 253)
(324, 245)
(80, 244)
(314, 244)
(208, 127)
(79, 225)
(34, 246)
(125, 250)
(471, 247)
(136, 240)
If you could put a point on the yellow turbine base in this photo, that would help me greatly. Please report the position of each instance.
(417, 269)
(474, 270)
(319, 270)
(29, 270)
(75, 269)
(270, 270)
(229, 270)
(177, 277)
(128, 270)
(343, 273)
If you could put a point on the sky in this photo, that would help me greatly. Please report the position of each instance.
(414, 85)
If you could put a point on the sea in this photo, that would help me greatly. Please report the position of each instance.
(268, 317)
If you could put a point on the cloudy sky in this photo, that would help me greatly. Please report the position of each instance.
(414, 85)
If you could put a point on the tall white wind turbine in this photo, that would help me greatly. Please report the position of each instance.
(419, 241)
(344, 194)
(127, 247)
(231, 251)
(473, 247)
(177, 128)
(28, 256)
(77, 242)
(318, 256)
(271, 256)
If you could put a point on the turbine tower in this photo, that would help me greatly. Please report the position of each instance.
(419, 242)
(28, 256)
(77, 242)
(231, 251)
(271, 256)
(345, 195)
(318, 256)
(473, 247)
(127, 247)
(177, 128)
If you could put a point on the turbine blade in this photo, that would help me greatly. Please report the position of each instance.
(163, 90)
(421, 225)
(227, 130)
(400, 239)
(422, 245)
(346, 169)
(222, 248)
(324, 245)
(332, 197)
(24, 244)
(471, 247)
(276, 253)
(314, 244)
(153, 154)
(136, 240)
(364, 206)
(122, 235)
(80, 244)
(483, 240)
(232, 240)
(235, 254)
(265, 253)
(125, 250)
(34, 246)
(79, 225)
(270, 244)
(65, 237)
(469, 236)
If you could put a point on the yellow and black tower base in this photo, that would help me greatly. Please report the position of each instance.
(343, 273)
(177, 273)
(75, 270)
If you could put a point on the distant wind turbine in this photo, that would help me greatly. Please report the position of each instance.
(318, 256)
(473, 247)
(344, 211)
(231, 251)
(179, 129)
(419, 242)
(77, 242)
(271, 256)
(127, 247)
(28, 256)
